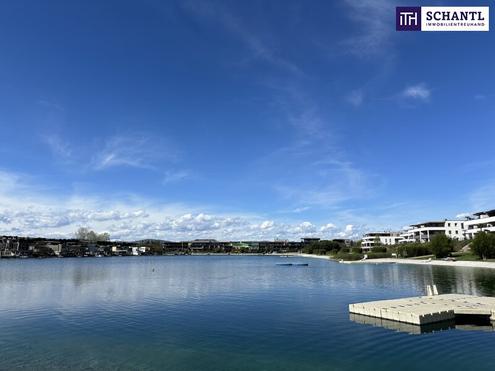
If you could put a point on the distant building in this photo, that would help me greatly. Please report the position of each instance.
(55, 247)
(372, 239)
(483, 221)
(424, 232)
(344, 241)
(455, 229)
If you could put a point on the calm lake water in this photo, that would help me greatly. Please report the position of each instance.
(224, 313)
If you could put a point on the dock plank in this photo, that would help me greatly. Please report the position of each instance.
(426, 309)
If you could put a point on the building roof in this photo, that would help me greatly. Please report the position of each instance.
(488, 212)
(428, 224)
(388, 234)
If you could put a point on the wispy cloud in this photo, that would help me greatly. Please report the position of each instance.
(483, 197)
(313, 174)
(60, 148)
(418, 91)
(258, 48)
(375, 23)
(137, 151)
(356, 97)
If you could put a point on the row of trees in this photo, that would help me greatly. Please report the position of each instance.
(483, 245)
(441, 246)
(324, 247)
(85, 234)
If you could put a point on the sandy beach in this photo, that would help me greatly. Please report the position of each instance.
(470, 264)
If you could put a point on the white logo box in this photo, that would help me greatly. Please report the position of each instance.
(453, 18)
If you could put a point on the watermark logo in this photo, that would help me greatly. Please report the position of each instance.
(408, 18)
(442, 18)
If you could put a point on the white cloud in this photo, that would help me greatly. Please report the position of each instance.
(267, 225)
(356, 98)
(303, 229)
(351, 232)
(25, 209)
(418, 91)
(298, 210)
(327, 227)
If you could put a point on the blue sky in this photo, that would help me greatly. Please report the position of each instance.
(239, 120)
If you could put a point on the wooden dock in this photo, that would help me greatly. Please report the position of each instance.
(424, 310)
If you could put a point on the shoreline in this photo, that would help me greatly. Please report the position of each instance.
(465, 264)
(459, 263)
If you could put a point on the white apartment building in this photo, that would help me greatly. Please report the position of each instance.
(455, 229)
(483, 221)
(385, 238)
(424, 232)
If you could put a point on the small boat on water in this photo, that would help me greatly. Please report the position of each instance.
(293, 264)
(285, 264)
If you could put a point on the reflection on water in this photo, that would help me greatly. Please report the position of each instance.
(223, 313)
(402, 327)
(424, 329)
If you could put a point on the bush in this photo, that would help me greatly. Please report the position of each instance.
(356, 250)
(379, 255)
(441, 245)
(379, 249)
(348, 256)
(483, 245)
(322, 247)
(410, 250)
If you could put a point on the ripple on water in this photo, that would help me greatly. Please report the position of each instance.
(221, 313)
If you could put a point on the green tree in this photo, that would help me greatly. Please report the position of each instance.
(441, 245)
(483, 245)
(85, 234)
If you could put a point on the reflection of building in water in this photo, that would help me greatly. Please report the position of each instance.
(416, 329)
